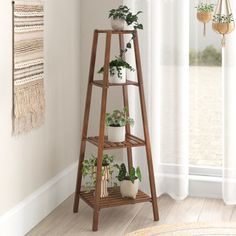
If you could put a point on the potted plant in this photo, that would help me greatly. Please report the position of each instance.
(89, 169)
(204, 13)
(223, 24)
(116, 122)
(129, 182)
(117, 69)
(121, 15)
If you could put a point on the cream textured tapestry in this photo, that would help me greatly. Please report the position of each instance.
(28, 66)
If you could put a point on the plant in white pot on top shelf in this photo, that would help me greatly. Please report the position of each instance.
(123, 15)
(116, 122)
(117, 69)
(129, 182)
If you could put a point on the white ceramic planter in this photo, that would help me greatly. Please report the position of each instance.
(117, 24)
(129, 189)
(116, 134)
(115, 79)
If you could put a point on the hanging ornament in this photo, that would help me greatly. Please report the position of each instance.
(223, 21)
(204, 13)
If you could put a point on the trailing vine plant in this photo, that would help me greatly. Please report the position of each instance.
(123, 12)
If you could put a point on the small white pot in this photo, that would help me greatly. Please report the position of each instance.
(117, 24)
(129, 189)
(115, 79)
(116, 134)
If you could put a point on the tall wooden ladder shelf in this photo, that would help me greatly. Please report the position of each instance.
(114, 199)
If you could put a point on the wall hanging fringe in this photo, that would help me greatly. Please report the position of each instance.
(28, 66)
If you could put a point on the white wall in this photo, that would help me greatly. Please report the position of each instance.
(30, 160)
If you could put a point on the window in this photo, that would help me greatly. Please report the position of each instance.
(205, 94)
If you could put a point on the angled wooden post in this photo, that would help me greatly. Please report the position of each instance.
(102, 131)
(126, 104)
(145, 128)
(86, 120)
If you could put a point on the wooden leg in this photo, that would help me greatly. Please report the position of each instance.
(145, 129)
(95, 220)
(85, 122)
(126, 103)
(101, 132)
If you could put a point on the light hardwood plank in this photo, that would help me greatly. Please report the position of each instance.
(215, 210)
(185, 211)
(120, 220)
(144, 218)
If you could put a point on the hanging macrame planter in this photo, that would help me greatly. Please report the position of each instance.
(204, 13)
(223, 21)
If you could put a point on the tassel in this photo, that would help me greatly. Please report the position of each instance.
(223, 41)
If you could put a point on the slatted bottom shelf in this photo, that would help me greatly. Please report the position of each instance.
(130, 141)
(114, 199)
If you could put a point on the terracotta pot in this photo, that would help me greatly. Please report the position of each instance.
(129, 189)
(117, 24)
(223, 28)
(116, 134)
(115, 79)
(204, 17)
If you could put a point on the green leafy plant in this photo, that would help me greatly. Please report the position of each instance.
(89, 169)
(117, 65)
(118, 118)
(124, 175)
(123, 12)
(218, 18)
(205, 7)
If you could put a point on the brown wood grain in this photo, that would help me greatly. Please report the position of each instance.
(145, 127)
(86, 120)
(101, 131)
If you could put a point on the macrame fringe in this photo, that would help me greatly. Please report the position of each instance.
(29, 107)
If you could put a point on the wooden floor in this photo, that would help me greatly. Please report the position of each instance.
(121, 220)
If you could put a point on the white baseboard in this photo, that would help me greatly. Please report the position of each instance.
(28, 213)
(205, 186)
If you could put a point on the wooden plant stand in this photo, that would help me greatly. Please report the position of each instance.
(114, 198)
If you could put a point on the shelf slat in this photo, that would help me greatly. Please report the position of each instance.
(117, 31)
(114, 199)
(131, 141)
(99, 83)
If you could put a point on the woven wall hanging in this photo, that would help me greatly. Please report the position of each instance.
(28, 66)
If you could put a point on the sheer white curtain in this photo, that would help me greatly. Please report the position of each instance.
(165, 52)
(229, 85)
(165, 47)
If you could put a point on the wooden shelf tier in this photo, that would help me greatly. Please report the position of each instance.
(120, 32)
(114, 199)
(99, 83)
(131, 141)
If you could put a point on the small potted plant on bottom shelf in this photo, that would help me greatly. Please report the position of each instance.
(129, 182)
(116, 122)
(117, 69)
(89, 169)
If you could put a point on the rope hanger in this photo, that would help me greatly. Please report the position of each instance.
(223, 22)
